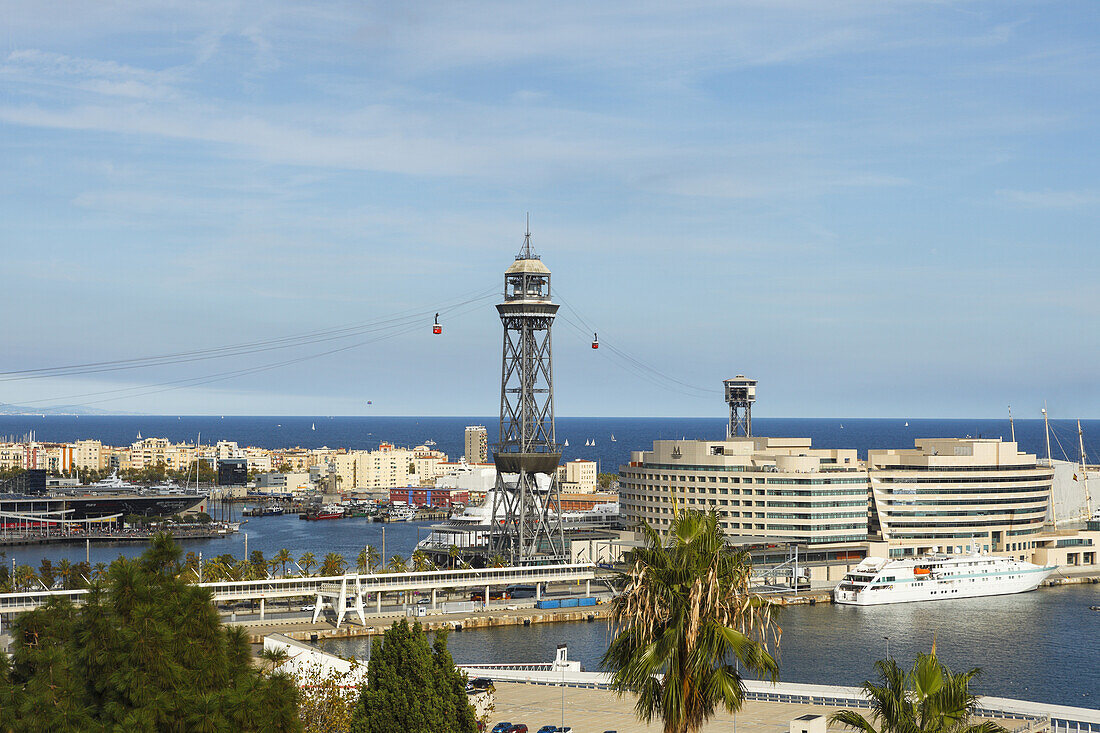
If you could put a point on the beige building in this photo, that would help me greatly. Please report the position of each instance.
(577, 476)
(11, 455)
(958, 495)
(477, 444)
(760, 487)
(386, 468)
(88, 455)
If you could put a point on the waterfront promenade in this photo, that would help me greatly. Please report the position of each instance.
(597, 710)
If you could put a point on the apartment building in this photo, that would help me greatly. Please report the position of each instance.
(477, 444)
(578, 476)
(88, 455)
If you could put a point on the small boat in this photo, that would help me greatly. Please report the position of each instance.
(402, 513)
(906, 423)
(328, 511)
(1094, 608)
(567, 442)
(613, 438)
(313, 426)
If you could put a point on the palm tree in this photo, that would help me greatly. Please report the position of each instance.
(929, 699)
(25, 577)
(496, 561)
(421, 562)
(306, 562)
(397, 565)
(453, 554)
(282, 557)
(65, 573)
(684, 616)
(274, 658)
(368, 559)
(333, 565)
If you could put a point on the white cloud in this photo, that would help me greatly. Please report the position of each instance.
(1052, 199)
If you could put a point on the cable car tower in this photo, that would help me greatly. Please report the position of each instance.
(526, 526)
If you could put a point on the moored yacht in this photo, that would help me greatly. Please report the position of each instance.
(937, 577)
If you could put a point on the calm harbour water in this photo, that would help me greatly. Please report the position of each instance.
(1042, 646)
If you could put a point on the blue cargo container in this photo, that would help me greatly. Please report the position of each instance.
(548, 604)
(570, 602)
(588, 602)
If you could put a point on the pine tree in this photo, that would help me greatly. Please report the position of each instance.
(145, 652)
(412, 686)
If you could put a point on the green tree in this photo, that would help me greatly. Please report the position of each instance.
(145, 652)
(47, 573)
(397, 565)
(333, 564)
(306, 561)
(929, 699)
(258, 565)
(684, 614)
(604, 480)
(412, 685)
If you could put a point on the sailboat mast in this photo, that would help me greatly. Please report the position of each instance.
(1050, 463)
(1084, 471)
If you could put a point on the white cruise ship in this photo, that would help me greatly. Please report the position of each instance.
(937, 577)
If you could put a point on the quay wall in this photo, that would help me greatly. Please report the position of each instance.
(257, 630)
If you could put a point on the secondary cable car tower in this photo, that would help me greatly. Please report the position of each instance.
(526, 526)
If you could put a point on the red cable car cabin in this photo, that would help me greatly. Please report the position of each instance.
(436, 328)
(595, 341)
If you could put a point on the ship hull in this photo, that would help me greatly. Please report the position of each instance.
(1009, 583)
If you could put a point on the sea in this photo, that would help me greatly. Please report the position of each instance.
(1042, 646)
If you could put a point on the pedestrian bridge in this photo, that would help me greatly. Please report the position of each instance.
(349, 592)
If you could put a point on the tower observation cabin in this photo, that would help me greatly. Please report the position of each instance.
(740, 394)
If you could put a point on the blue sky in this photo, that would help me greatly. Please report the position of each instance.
(876, 208)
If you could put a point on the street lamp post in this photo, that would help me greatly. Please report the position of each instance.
(887, 638)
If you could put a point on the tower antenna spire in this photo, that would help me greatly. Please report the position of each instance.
(526, 253)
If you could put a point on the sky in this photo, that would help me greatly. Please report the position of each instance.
(874, 208)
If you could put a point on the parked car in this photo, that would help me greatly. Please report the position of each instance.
(502, 728)
(555, 729)
(518, 728)
(481, 683)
